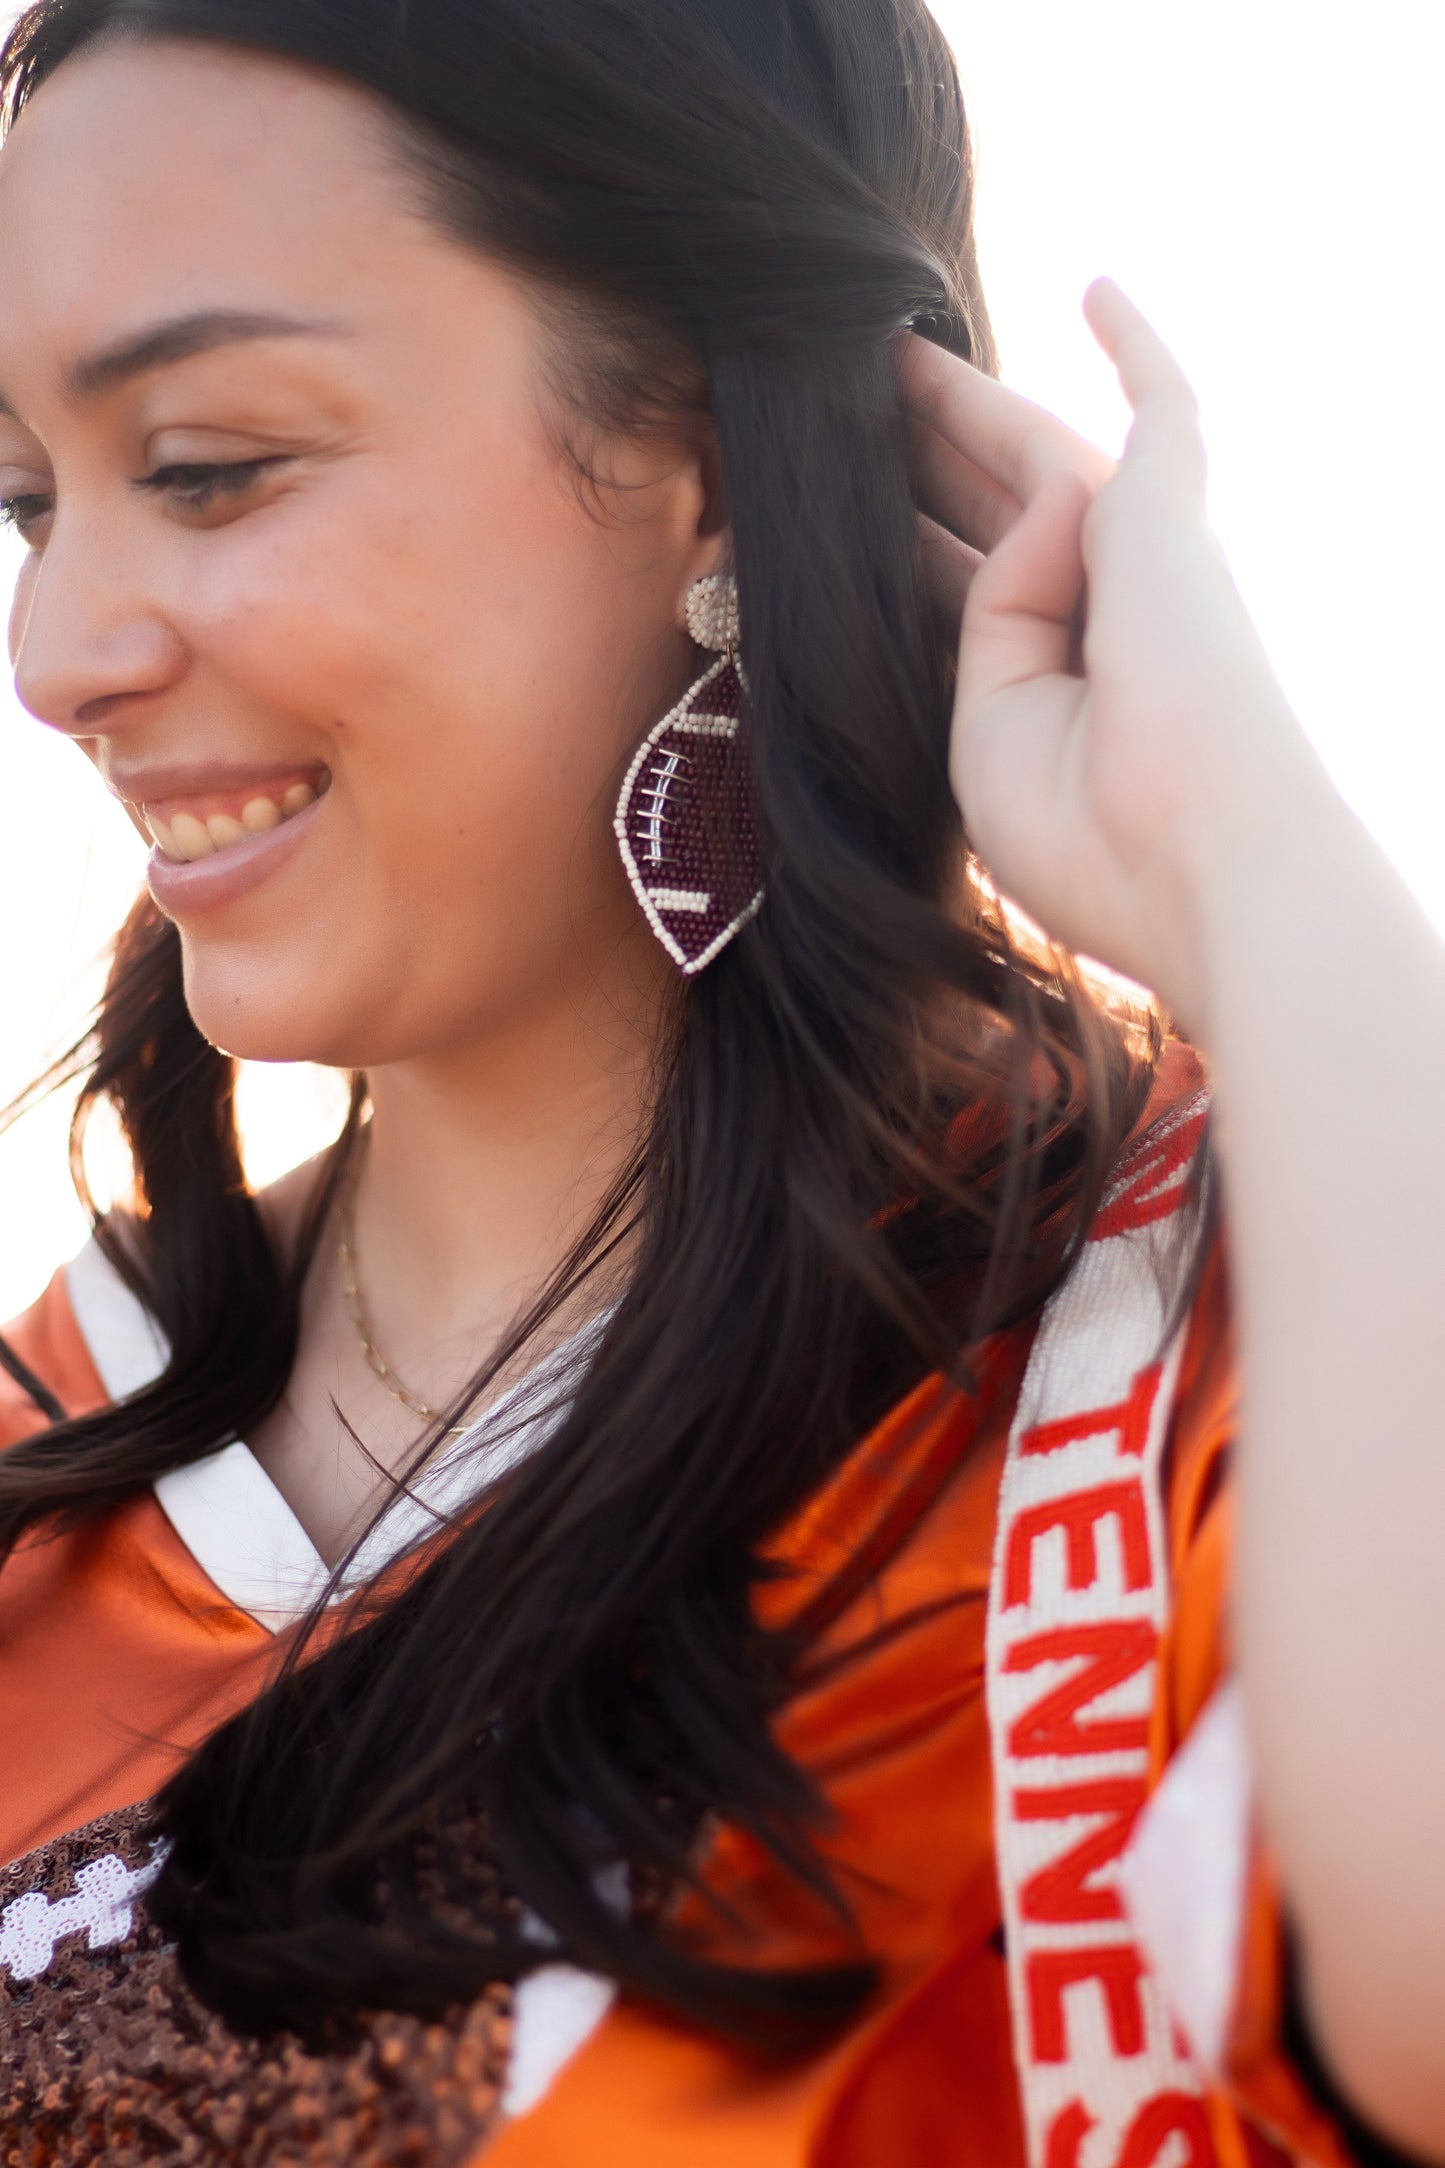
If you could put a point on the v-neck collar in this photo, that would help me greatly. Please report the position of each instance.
(229, 1513)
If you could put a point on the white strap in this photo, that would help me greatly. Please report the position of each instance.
(1078, 1597)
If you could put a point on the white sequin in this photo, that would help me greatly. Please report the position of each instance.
(100, 1908)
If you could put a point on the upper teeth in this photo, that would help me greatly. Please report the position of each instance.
(186, 837)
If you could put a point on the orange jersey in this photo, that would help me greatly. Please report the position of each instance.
(123, 1644)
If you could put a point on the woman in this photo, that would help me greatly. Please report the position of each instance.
(634, 1606)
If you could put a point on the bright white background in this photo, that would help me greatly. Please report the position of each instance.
(1263, 176)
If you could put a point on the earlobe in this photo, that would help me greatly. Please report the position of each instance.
(711, 560)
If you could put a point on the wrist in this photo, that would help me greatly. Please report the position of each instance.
(1299, 920)
(1261, 877)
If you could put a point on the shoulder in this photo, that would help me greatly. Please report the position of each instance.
(86, 1342)
(46, 1346)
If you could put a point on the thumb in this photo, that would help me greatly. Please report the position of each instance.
(1023, 600)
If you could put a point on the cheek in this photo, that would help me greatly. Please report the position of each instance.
(497, 712)
(524, 639)
(504, 619)
(477, 684)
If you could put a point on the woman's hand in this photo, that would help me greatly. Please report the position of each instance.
(1119, 737)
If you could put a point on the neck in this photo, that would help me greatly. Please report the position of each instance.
(485, 1166)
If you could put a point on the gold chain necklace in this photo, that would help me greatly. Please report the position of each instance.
(356, 1311)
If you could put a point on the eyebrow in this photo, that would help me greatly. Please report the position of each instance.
(179, 339)
(182, 337)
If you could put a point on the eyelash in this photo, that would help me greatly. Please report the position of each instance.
(17, 512)
(195, 486)
(206, 483)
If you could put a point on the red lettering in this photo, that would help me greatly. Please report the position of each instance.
(1168, 2115)
(1078, 1515)
(1129, 1417)
(1118, 1969)
(1067, 2132)
(1060, 1891)
(1154, 1188)
(1110, 1652)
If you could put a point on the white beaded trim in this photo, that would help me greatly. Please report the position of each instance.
(680, 899)
(712, 613)
(707, 726)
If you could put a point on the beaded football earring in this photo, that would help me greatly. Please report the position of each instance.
(685, 824)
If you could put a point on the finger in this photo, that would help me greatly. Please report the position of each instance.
(958, 494)
(1005, 435)
(949, 567)
(1166, 411)
(1024, 601)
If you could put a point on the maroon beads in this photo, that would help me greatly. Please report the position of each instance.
(685, 824)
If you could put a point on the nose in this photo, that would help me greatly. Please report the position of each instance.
(85, 639)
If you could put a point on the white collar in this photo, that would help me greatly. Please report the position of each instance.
(226, 1509)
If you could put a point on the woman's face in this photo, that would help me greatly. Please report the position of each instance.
(371, 669)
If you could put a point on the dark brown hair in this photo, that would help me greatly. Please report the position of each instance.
(772, 188)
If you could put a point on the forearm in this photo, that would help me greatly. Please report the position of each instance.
(1324, 1017)
(1146, 795)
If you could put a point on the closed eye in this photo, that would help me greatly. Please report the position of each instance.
(195, 487)
(199, 487)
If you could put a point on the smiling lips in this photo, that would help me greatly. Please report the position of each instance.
(185, 830)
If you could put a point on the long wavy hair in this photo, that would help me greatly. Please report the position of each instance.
(879, 1123)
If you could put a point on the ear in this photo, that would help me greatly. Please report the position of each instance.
(708, 543)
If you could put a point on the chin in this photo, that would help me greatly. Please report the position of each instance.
(267, 1016)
